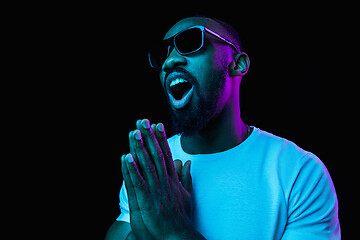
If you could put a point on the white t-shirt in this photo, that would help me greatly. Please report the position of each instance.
(264, 188)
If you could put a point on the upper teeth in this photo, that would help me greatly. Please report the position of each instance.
(177, 81)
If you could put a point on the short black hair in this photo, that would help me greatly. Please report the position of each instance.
(233, 34)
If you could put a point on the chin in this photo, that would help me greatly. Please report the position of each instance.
(193, 119)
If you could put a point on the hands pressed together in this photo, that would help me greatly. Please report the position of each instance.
(159, 189)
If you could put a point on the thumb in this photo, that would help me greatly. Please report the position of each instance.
(178, 167)
(186, 179)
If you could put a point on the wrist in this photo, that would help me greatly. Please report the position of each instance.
(130, 236)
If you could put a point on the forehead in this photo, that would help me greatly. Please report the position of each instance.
(195, 21)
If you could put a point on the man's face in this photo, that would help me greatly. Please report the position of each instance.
(196, 85)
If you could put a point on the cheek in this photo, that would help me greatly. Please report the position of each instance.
(162, 77)
(210, 84)
(221, 58)
(210, 69)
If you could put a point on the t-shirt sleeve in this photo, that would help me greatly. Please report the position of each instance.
(312, 204)
(124, 206)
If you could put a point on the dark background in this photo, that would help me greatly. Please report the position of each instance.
(297, 87)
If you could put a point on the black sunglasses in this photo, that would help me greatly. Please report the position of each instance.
(185, 42)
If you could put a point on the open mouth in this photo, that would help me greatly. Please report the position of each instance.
(179, 87)
(180, 92)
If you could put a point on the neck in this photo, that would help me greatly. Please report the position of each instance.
(223, 132)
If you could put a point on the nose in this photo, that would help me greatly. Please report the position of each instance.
(173, 60)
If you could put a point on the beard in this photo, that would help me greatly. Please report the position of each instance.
(200, 110)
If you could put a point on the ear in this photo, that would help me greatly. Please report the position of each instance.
(240, 65)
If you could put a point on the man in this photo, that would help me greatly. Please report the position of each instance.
(241, 182)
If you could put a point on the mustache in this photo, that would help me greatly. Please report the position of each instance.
(186, 74)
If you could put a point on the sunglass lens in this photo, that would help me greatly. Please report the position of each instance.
(189, 40)
(158, 55)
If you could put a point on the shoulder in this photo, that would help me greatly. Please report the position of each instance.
(292, 163)
(288, 156)
(312, 201)
(278, 147)
(310, 193)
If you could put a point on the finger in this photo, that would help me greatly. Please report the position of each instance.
(153, 127)
(178, 168)
(162, 140)
(186, 179)
(132, 200)
(138, 124)
(147, 167)
(138, 183)
(132, 148)
(151, 144)
(136, 220)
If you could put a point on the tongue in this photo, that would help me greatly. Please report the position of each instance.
(179, 90)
